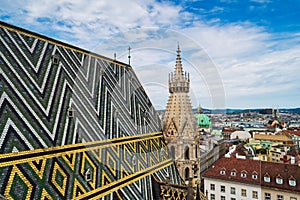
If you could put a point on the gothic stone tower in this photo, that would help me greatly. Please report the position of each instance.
(180, 126)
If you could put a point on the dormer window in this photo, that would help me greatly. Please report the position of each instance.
(244, 174)
(233, 173)
(222, 171)
(55, 59)
(254, 175)
(279, 180)
(267, 178)
(292, 182)
(70, 112)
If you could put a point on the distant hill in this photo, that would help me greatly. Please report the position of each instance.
(290, 110)
(236, 111)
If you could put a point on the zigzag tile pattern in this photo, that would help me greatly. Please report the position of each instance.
(90, 170)
(74, 124)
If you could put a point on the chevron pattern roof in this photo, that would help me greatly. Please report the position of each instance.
(74, 124)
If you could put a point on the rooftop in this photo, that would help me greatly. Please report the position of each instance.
(278, 175)
(286, 172)
(282, 137)
(292, 132)
(224, 169)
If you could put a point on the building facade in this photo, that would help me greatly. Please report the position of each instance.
(280, 181)
(231, 178)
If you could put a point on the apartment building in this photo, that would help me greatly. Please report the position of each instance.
(241, 179)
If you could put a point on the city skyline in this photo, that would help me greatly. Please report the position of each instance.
(239, 54)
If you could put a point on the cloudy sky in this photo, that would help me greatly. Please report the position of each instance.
(239, 53)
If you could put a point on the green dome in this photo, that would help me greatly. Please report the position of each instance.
(203, 121)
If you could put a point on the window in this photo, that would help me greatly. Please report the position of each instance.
(243, 192)
(279, 180)
(232, 199)
(222, 188)
(243, 175)
(187, 153)
(267, 179)
(223, 198)
(212, 186)
(293, 198)
(223, 172)
(70, 112)
(187, 173)
(267, 196)
(279, 197)
(55, 59)
(254, 175)
(254, 195)
(173, 152)
(233, 173)
(292, 182)
(232, 190)
(212, 197)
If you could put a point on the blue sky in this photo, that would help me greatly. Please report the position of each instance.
(240, 53)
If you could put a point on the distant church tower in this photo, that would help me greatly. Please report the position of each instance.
(180, 126)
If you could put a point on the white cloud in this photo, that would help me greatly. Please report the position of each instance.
(240, 58)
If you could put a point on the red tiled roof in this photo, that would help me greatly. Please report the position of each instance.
(285, 171)
(240, 150)
(292, 132)
(230, 164)
(228, 130)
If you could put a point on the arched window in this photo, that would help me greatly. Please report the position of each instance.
(186, 153)
(187, 173)
(173, 152)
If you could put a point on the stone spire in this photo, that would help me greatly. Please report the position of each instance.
(179, 114)
(178, 66)
(180, 125)
(179, 82)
